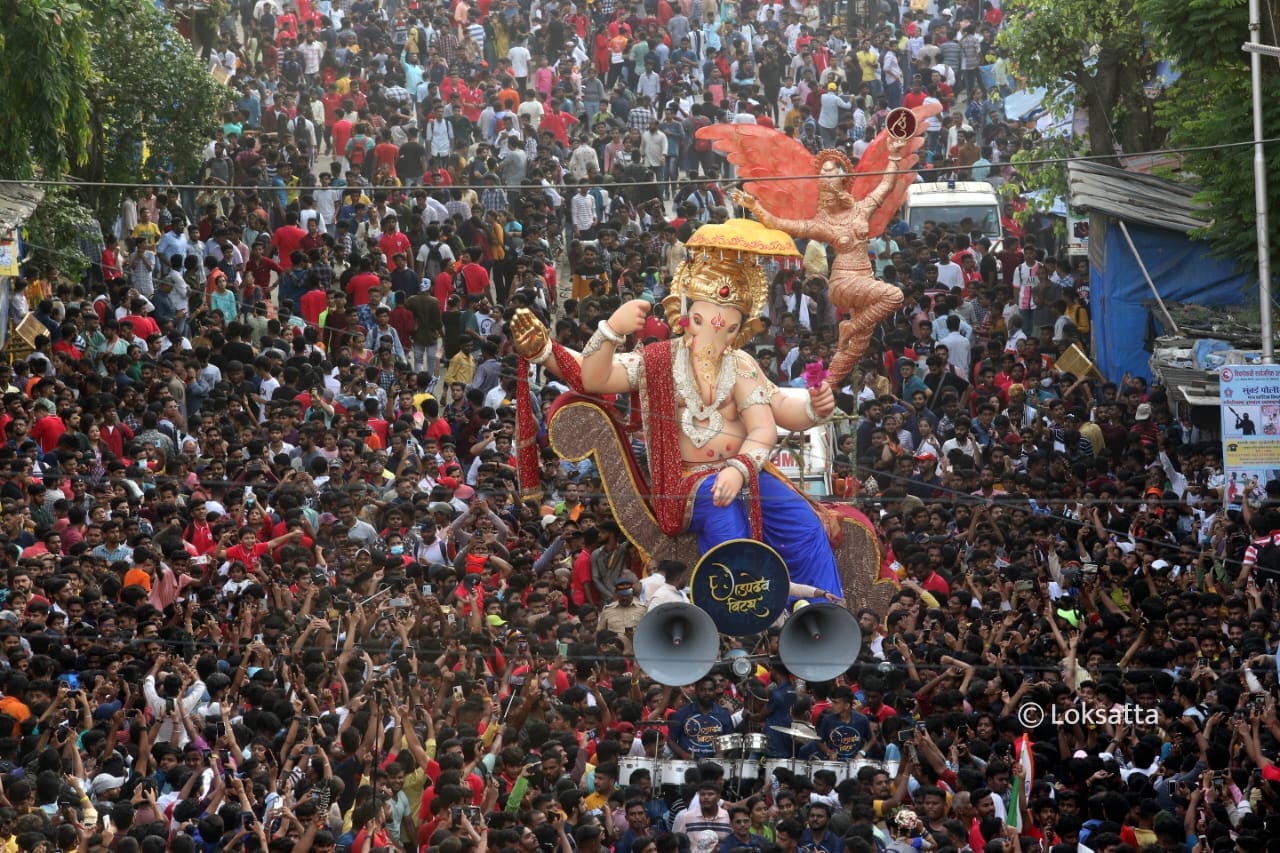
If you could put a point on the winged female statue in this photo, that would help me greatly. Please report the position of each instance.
(824, 197)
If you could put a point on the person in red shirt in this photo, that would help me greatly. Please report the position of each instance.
(143, 326)
(362, 282)
(312, 304)
(48, 427)
(341, 131)
(581, 589)
(260, 265)
(111, 269)
(557, 121)
(474, 274)
(249, 550)
(198, 533)
(288, 239)
(313, 240)
(393, 240)
(915, 97)
(385, 153)
(918, 567)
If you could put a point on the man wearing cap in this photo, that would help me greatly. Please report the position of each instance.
(623, 614)
(926, 480)
(1143, 425)
(829, 116)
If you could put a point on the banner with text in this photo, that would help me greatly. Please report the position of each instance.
(1250, 429)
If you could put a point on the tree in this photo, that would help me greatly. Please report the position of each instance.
(89, 85)
(45, 75)
(155, 96)
(1089, 54)
(1211, 104)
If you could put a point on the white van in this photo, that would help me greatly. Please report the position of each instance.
(956, 206)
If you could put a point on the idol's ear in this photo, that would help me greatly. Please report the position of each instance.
(672, 310)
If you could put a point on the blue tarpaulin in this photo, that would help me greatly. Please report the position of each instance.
(1183, 271)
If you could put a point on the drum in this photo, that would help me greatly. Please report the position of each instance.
(673, 772)
(747, 768)
(755, 742)
(840, 768)
(630, 764)
(794, 765)
(729, 746)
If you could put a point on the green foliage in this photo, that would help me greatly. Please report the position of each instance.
(156, 96)
(1052, 42)
(1049, 178)
(45, 74)
(1211, 103)
(88, 86)
(1090, 55)
(53, 232)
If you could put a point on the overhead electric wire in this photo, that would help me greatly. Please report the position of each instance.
(233, 188)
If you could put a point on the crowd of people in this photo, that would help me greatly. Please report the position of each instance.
(270, 582)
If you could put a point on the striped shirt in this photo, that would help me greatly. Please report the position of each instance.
(1251, 553)
(692, 820)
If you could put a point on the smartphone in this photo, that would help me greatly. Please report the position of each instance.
(221, 728)
(257, 638)
(562, 649)
(906, 736)
(310, 750)
(456, 813)
(313, 721)
(922, 728)
(426, 589)
(246, 819)
(1023, 586)
(457, 693)
(106, 823)
(1202, 662)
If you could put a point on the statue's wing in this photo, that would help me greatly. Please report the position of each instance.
(874, 160)
(791, 188)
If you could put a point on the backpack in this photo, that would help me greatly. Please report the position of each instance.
(358, 152)
(300, 128)
(1267, 565)
(435, 261)
(460, 285)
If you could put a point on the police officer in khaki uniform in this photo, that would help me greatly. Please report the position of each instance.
(623, 614)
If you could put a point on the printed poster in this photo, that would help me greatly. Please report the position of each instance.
(1250, 429)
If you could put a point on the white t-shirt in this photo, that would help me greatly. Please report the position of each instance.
(519, 58)
(446, 254)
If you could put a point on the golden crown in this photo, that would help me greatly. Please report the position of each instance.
(730, 281)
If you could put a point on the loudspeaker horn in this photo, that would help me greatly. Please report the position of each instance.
(676, 644)
(819, 642)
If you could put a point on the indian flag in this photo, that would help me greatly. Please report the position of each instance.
(1024, 756)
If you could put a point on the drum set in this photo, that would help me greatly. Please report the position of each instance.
(742, 756)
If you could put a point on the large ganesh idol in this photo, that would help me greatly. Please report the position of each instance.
(710, 419)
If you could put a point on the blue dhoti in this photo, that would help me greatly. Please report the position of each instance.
(791, 527)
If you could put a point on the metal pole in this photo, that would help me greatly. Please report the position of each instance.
(1260, 184)
(1173, 326)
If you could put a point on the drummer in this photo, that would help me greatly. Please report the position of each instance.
(843, 732)
(694, 728)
